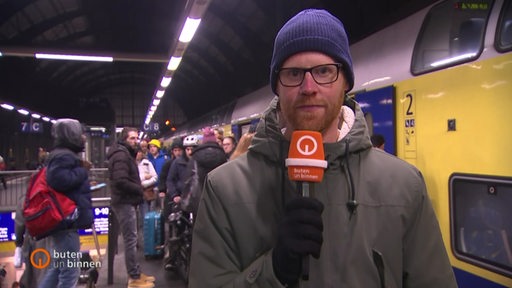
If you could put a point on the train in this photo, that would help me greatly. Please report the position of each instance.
(438, 86)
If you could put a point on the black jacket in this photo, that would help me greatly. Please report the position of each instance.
(125, 185)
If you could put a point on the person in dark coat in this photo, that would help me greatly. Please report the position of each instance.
(205, 157)
(126, 191)
(176, 152)
(68, 174)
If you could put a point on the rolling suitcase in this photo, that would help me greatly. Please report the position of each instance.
(153, 234)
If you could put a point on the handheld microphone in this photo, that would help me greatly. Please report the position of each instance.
(306, 164)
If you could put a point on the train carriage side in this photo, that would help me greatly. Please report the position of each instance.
(451, 121)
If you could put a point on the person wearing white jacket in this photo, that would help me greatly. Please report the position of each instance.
(148, 180)
(147, 172)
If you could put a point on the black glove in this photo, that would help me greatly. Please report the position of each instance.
(299, 234)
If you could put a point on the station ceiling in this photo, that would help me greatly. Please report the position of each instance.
(228, 57)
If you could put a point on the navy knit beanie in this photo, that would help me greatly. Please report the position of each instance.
(312, 30)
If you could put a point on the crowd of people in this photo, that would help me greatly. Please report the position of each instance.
(142, 172)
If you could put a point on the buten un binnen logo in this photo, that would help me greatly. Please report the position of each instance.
(40, 258)
(303, 145)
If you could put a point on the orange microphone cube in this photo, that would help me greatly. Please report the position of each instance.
(306, 159)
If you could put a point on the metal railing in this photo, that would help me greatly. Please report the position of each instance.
(17, 183)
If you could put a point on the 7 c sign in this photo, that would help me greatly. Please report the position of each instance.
(31, 127)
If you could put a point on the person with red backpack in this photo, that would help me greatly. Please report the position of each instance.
(68, 174)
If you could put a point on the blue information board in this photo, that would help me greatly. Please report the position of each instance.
(7, 226)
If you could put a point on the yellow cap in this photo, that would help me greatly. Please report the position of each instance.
(155, 142)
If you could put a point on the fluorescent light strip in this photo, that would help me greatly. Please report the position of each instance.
(165, 81)
(23, 111)
(74, 57)
(189, 29)
(160, 93)
(174, 63)
(7, 106)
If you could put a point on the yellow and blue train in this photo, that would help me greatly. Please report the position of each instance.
(438, 86)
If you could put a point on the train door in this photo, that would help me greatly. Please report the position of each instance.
(378, 108)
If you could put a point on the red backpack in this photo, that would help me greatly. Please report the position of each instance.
(44, 208)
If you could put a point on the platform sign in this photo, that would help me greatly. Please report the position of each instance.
(100, 221)
(409, 110)
(31, 127)
(151, 127)
(7, 226)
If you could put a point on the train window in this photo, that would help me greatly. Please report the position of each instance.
(504, 29)
(481, 230)
(452, 33)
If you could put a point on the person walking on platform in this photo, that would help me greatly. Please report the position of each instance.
(126, 191)
(369, 223)
(68, 174)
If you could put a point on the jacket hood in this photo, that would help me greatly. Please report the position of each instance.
(209, 155)
(268, 135)
(67, 133)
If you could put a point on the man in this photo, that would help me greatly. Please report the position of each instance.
(229, 145)
(156, 156)
(177, 172)
(126, 191)
(68, 174)
(204, 158)
(369, 223)
(176, 152)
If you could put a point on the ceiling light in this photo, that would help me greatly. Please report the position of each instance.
(156, 102)
(165, 82)
(160, 93)
(189, 29)
(7, 106)
(46, 119)
(36, 116)
(23, 111)
(74, 57)
(174, 63)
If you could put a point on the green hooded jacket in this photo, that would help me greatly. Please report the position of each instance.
(392, 238)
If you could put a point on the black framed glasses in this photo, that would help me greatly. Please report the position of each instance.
(322, 74)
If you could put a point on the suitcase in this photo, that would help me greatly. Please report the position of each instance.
(153, 235)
